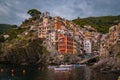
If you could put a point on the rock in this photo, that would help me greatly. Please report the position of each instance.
(25, 54)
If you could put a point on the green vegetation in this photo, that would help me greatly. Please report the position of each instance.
(5, 27)
(34, 12)
(21, 45)
(102, 24)
(13, 32)
(1, 39)
(35, 15)
(27, 22)
(27, 54)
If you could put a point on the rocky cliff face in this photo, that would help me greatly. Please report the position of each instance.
(23, 47)
(31, 53)
(110, 51)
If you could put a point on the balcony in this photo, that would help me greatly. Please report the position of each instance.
(62, 50)
(62, 46)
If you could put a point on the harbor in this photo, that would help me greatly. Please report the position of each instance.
(59, 72)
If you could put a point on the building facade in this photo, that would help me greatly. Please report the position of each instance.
(65, 44)
(74, 47)
(87, 46)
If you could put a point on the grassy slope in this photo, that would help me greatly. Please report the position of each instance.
(4, 27)
(102, 24)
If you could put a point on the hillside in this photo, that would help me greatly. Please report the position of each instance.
(102, 24)
(37, 39)
(17, 47)
(5, 27)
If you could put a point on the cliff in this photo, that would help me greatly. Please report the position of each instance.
(110, 51)
(22, 47)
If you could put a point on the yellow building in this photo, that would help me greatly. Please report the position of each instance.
(74, 47)
(87, 34)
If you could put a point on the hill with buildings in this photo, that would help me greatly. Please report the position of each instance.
(54, 40)
(61, 38)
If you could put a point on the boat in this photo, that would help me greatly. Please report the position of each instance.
(65, 66)
(77, 65)
(51, 67)
(62, 69)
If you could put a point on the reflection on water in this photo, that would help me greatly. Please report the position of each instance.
(13, 72)
(105, 76)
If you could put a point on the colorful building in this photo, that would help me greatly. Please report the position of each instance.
(52, 36)
(87, 43)
(61, 33)
(57, 25)
(74, 47)
(65, 44)
(44, 28)
(87, 46)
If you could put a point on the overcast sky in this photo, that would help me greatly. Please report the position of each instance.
(15, 11)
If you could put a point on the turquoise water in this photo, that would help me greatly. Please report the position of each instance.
(14, 72)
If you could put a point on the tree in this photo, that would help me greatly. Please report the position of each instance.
(34, 12)
(2, 39)
(13, 26)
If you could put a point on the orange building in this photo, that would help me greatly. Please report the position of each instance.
(57, 25)
(65, 44)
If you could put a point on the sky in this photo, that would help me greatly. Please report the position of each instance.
(15, 11)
